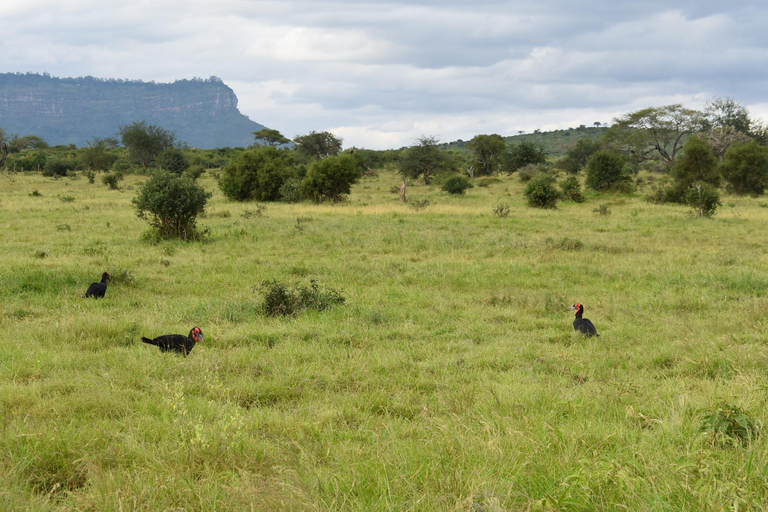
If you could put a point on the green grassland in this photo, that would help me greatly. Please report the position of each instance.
(451, 379)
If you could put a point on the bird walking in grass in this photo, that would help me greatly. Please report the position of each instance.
(177, 342)
(580, 324)
(97, 290)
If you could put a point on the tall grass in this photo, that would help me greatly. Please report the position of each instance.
(450, 378)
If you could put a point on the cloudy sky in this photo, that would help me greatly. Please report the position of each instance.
(381, 73)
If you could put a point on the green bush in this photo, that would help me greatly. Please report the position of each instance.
(258, 174)
(607, 170)
(697, 163)
(501, 210)
(171, 204)
(745, 168)
(172, 160)
(456, 185)
(541, 191)
(112, 179)
(703, 198)
(58, 167)
(726, 423)
(572, 189)
(330, 179)
(527, 172)
(283, 300)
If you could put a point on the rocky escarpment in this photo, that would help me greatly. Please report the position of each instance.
(202, 112)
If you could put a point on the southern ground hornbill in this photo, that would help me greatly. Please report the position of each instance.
(177, 342)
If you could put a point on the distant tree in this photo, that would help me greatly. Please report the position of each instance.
(578, 155)
(258, 174)
(654, 131)
(607, 170)
(745, 168)
(96, 155)
(171, 204)
(331, 178)
(728, 123)
(598, 124)
(521, 154)
(172, 160)
(424, 159)
(17, 144)
(145, 141)
(318, 145)
(269, 137)
(487, 151)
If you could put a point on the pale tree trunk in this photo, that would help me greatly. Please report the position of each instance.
(402, 192)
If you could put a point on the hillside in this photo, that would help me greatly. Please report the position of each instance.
(202, 112)
(555, 143)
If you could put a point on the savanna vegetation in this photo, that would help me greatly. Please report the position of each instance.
(367, 351)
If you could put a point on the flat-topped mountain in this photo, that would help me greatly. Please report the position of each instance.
(202, 112)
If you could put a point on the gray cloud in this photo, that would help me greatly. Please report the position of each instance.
(380, 73)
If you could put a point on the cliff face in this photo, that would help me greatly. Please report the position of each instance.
(202, 113)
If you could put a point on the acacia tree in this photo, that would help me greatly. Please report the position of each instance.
(728, 124)
(318, 145)
(521, 154)
(655, 131)
(269, 137)
(487, 151)
(145, 141)
(96, 155)
(425, 159)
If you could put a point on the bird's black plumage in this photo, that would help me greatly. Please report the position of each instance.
(97, 290)
(583, 325)
(177, 342)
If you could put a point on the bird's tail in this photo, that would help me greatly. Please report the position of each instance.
(147, 340)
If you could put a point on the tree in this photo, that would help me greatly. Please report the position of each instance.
(654, 131)
(331, 178)
(424, 159)
(541, 191)
(268, 137)
(578, 155)
(487, 151)
(172, 160)
(607, 170)
(145, 141)
(258, 174)
(96, 155)
(318, 145)
(171, 204)
(728, 123)
(521, 154)
(697, 163)
(745, 168)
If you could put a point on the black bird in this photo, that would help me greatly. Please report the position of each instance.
(97, 290)
(583, 325)
(177, 342)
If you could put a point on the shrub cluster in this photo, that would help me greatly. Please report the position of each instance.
(281, 299)
(541, 191)
(456, 185)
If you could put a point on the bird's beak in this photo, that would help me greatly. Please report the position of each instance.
(572, 308)
(200, 337)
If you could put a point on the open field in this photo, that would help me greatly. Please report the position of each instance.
(450, 380)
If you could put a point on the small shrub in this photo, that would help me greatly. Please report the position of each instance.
(67, 199)
(40, 254)
(417, 204)
(258, 212)
(284, 300)
(703, 198)
(64, 227)
(57, 168)
(290, 190)
(729, 423)
(91, 176)
(112, 179)
(565, 244)
(527, 172)
(456, 185)
(123, 277)
(602, 210)
(541, 191)
(572, 189)
(607, 170)
(330, 179)
(501, 210)
(172, 160)
(194, 172)
(35, 193)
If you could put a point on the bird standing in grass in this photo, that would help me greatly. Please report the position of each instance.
(583, 325)
(177, 342)
(97, 290)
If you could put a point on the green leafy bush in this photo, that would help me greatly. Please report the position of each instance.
(541, 191)
(281, 299)
(456, 185)
(172, 159)
(730, 424)
(112, 179)
(607, 170)
(330, 179)
(58, 167)
(171, 204)
(257, 174)
(527, 172)
(745, 168)
(703, 198)
(501, 210)
(572, 189)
